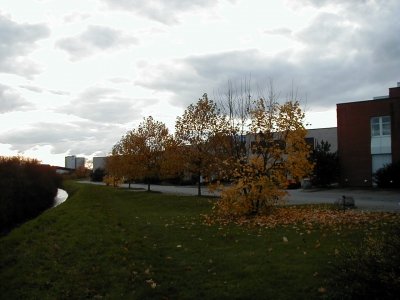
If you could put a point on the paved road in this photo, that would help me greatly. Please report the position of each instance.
(365, 199)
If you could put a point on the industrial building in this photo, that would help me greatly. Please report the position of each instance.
(99, 162)
(368, 137)
(316, 136)
(73, 162)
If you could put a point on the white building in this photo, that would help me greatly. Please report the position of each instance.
(73, 162)
(99, 163)
(315, 136)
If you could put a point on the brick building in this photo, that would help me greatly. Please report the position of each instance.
(368, 137)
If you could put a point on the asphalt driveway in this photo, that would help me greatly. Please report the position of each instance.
(365, 199)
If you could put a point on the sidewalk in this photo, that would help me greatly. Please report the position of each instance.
(365, 199)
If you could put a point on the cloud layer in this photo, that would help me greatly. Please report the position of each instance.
(17, 41)
(10, 100)
(82, 137)
(134, 58)
(166, 12)
(93, 40)
(341, 56)
(106, 105)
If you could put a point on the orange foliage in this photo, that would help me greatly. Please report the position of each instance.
(198, 132)
(139, 155)
(276, 152)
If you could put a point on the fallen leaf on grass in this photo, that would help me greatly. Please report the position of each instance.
(308, 217)
(285, 240)
(152, 283)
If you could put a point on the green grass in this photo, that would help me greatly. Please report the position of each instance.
(115, 244)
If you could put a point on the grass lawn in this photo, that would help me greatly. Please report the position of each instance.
(118, 244)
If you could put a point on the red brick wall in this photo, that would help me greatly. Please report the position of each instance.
(354, 136)
(395, 106)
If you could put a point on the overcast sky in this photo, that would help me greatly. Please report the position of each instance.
(76, 75)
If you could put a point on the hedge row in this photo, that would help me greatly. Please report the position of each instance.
(388, 176)
(27, 188)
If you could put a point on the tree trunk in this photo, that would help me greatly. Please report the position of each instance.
(148, 186)
(129, 184)
(199, 185)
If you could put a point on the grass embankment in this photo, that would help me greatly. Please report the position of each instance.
(108, 243)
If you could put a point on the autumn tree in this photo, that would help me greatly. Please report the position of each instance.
(277, 152)
(198, 131)
(153, 138)
(139, 153)
(172, 166)
(235, 103)
(116, 167)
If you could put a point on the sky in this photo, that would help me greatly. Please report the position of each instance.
(76, 75)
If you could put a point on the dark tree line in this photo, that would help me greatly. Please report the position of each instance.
(27, 189)
(326, 165)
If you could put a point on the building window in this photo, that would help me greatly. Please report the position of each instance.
(380, 126)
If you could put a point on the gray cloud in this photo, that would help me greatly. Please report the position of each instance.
(106, 105)
(32, 88)
(84, 137)
(17, 41)
(40, 90)
(346, 57)
(187, 79)
(166, 12)
(10, 100)
(326, 30)
(59, 93)
(93, 40)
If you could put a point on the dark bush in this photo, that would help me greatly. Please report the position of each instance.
(371, 271)
(388, 176)
(326, 165)
(27, 189)
(98, 175)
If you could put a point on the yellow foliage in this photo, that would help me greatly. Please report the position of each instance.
(199, 132)
(139, 155)
(113, 181)
(278, 152)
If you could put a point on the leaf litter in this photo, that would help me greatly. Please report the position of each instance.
(308, 216)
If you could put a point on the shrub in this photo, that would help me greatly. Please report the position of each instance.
(371, 271)
(98, 175)
(27, 188)
(388, 176)
(326, 165)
